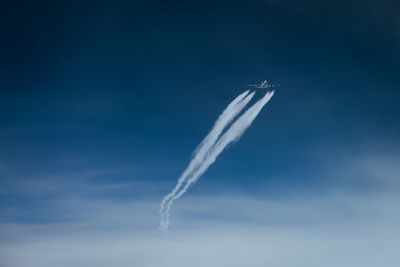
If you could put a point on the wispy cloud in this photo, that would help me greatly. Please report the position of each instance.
(226, 230)
(325, 228)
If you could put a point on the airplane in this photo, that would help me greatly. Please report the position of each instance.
(263, 85)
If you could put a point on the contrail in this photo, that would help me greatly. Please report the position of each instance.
(223, 120)
(231, 135)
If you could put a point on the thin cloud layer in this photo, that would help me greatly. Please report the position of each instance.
(229, 230)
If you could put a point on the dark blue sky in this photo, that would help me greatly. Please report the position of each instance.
(123, 91)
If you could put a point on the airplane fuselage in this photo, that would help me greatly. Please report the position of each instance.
(264, 85)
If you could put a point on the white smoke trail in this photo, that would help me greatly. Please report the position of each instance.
(231, 135)
(223, 120)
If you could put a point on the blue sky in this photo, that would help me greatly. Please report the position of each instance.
(102, 104)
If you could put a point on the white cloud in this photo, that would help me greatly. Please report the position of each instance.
(332, 230)
(340, 227)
